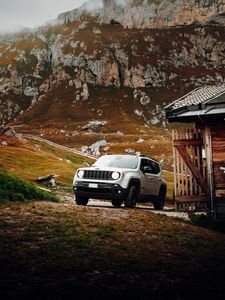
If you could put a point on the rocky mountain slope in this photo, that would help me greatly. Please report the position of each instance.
(149, 13)
(115, 61)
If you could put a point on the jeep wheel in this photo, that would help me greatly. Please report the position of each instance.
(117, 203)
(130, 201)
(81, 200)
(159, 203)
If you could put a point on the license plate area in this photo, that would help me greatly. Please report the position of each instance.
(93, 185)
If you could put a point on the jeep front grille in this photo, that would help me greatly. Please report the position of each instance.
(102, 175)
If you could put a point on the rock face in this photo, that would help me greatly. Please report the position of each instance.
(150, 14)
(133, 52)
(88, 9)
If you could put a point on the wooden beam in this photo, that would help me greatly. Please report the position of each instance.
(190, 199)
(193, 168)
(188, 142)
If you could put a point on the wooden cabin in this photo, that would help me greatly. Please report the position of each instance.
(199, 150)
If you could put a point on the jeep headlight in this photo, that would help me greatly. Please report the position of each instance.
(115, 175)
(80, 174)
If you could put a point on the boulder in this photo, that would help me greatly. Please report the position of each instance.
(8, 131)
(93, 125)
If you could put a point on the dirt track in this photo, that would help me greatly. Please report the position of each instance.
(168, 211)
(67, 149)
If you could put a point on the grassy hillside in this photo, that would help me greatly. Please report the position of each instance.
(32, 160)
(13, 189)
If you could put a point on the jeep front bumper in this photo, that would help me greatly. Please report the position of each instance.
(107, 191)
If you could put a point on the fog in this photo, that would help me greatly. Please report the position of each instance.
(16, 14)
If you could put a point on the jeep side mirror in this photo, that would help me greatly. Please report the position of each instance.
(147, 169)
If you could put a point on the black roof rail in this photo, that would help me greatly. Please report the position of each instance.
(141, 155)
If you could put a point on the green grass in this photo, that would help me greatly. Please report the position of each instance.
(208, 222)
(14, 189)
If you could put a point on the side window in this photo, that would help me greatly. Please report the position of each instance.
(155, 167)
(146, 163)
(152, 165)
(143, 164)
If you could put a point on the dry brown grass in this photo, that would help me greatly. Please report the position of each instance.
(30, 162)
(59, 250)
(8, 58)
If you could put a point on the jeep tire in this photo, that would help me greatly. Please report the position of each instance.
(81, 200)
(159, 203)
(131, 198)
(117, 203)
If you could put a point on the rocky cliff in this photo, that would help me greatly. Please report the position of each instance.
(150, 13)
(109, 58)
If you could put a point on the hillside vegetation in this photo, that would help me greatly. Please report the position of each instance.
(30, 160)
(14, 189)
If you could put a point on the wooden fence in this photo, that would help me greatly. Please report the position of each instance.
(190, 171)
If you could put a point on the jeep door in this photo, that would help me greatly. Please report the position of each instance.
(150, 180)
(155, 178)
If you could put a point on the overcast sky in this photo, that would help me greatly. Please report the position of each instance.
(15, 14)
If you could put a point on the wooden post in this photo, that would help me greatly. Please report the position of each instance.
(174, 166)
(209, 162)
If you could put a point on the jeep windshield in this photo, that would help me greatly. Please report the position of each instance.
(117, 161)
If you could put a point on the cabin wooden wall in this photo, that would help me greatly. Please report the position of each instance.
(218, 154)
(186, 189)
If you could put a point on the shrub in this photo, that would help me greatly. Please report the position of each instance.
(208, 222)
(15, 189)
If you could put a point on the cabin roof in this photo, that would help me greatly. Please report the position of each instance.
(205, 101)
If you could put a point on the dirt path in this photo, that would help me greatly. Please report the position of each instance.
(67, 149)
(168, 211)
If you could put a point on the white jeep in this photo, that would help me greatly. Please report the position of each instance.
(121, 178)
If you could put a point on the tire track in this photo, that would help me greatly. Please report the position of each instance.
(58, 146)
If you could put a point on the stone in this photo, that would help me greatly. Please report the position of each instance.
(8, 131)
(31, 92)
(93, 125)
(85, 93)
(94, 149)
(130, 151)
(141, 140)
